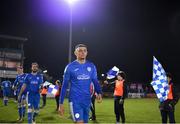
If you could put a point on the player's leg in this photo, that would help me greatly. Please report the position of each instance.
(91, 108)
(93, 112)
(122, 112)
(164, 116)
(57, 102)
(19, 110)
(44, 99)
(23, 105)
(171, 117)
(117, 109)
(5, 97)
(36, 106)
(30, 107)
(76, 112)
(15, 96)
(86, 113)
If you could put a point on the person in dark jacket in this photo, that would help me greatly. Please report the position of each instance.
(120, 93)
(167, 107)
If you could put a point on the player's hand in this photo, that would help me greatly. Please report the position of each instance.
(106, 82)
(121, 101)
(61, 110)
(99, 98)
(19, 97)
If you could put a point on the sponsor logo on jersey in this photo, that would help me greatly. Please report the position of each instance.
(34, 82)
(83, 77)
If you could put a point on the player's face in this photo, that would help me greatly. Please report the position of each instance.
(169, 79)
(19, 70)
(81, 53)
(119, 78)
(34, 68)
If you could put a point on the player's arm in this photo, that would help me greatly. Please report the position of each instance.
(110, 81)
(2, 86)
(15, 84)
(23, 87)
(175, 96)
(97, 86)
(63, 90)
(22, 90)
(125, 94)
(41, 84)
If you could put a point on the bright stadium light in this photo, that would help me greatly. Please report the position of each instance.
(45, 71)
(71, 1)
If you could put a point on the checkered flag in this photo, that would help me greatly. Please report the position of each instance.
(53, 89)
(112, 73)
(159, 83)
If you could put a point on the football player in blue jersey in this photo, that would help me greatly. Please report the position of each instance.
(80, 73)
(17, 85)
(33, 83)
(6, 86)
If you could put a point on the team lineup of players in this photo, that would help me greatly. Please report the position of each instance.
(80, 74)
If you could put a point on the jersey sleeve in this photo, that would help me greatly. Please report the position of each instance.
(15, 82)
(2, 85)
(41, 79)
(10, 84)
(26, 79)
(64, 84)
(95, 81)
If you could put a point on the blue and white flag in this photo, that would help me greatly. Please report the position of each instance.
(46, 83)
(112, 73)
(53, 89)
(160, 83)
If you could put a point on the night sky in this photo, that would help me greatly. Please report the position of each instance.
(124, 33)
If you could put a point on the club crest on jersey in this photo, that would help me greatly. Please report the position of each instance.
(89, 69)
(37, 78)
(77, 115)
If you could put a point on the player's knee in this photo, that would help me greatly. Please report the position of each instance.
(29, 110)
(19, 105)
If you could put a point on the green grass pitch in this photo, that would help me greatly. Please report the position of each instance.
(136, 111)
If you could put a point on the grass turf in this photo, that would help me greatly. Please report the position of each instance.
(136, 111)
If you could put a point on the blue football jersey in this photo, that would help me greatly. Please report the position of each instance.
(6, 85)
(19, 81)
(80, 76)
(33, 82)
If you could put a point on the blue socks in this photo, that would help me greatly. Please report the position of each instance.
(5, 102)
(20, 112)
(29, 117)
(23, 111)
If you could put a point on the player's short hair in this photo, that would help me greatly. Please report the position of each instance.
(35, 63)
(122, 74)
(169, 75)
(20, 66)
(80, 45)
